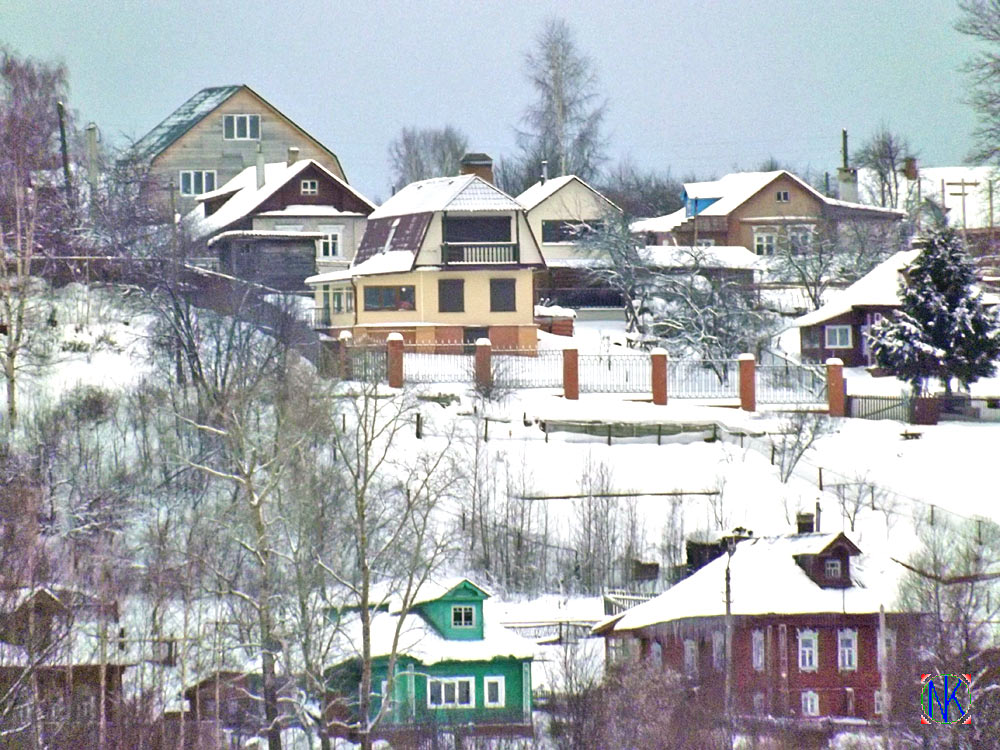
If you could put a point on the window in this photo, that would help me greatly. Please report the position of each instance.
(463, 617)
(568, 231)
(703, 242)
(451, 295)
(338, 302)
(838, 337)
(757, 650)
(494, 689)
(197, 181)
(890, 647)
(783, 196)
(808, 646)
(309, 187)
(810, 703)
(879, 703)
(763, 243)
(503, 295)
(832, 568)
(799, 239)
(477, 229)
(241, 127)
(759, 704)
(329, 246)
(691, 658)
(458, 692)
(389, 298)
(349, 300)
(847, 649)
(718, 650)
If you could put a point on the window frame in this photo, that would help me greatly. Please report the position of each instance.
(232, 134)
(501, 683)
(191, 176)
(455, 681)
(878, 703)
(810, 703)
(309, 187)
(332, 241)
(512, 283)
(455, 298)
(847, 656)
(466, 609)
(835, 565)
(397, 294)
(783, 196)
(764, 243)
(827, 330)
(806, 636)
(757, 657)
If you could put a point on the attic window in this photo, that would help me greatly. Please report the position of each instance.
(241, 127)
(832, 568)
(783, 196)
(309, 187)
(463, 617)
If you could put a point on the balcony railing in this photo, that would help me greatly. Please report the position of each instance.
(480, 252)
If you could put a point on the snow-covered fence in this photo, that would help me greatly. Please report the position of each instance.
(429, 367)
(790, 383)
(707, 379)
(615, 373)
(528, 370)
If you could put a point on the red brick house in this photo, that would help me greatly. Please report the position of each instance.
(805, 624)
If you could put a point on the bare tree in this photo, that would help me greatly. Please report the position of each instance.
(641, 193)
(981, 20)
(885, 154)
(420, 153)
(796, 435)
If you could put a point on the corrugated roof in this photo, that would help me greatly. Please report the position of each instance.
(466, 192)
(182, 119)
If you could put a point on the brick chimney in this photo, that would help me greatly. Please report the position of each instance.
(478, 164)
(293, 155)
(804, 523)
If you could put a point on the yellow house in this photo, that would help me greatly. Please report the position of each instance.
(444, 262)
(559, 209)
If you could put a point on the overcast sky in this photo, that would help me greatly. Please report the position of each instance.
(694, 86)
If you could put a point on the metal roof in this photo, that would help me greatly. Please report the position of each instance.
(182, 119)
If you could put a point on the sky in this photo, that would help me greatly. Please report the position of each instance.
(696, 87)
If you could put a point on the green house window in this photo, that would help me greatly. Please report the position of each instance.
(463, 617)
(451, 693)
(494, 688)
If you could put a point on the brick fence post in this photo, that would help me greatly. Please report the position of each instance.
(835, 391)
(748, 382)
(483, 366)
(343, 356)
(658, 359)
(394, 359)
(571, 374)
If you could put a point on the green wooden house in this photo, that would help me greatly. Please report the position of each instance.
(455, 671)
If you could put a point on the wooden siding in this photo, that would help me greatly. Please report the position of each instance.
(279, 264)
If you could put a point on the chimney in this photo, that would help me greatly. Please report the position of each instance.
(478, 164)
(260, 167)
(293, 155)
(545, 170)
(804, 522)
(847, 180)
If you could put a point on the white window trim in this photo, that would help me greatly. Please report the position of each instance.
(826, 337)
(757, 650)
(879, 703)
(831, 563)
(808, 635)
(236, 118)
(810, 703)
(309, 187)
(501, 693)
(783, 196)
(330, 230)
(843, 652)
(764, 240)
(455, 681)
(192, 172)
(463, 606)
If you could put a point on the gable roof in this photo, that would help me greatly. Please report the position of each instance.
(766, 579)
(245, 196)
(467, 192)
(540, 191)
(660, 224)
(433, 590)
(877, 288)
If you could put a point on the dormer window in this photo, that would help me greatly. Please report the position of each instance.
(832, 568)
(463, 617)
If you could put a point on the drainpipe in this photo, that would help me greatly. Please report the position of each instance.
(260, 167)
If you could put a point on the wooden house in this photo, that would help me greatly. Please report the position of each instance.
(214, 136)
(444, 261)
(805, 630)
(456, 671)
(278, 223)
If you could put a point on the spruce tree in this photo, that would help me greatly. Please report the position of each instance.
(942, 329)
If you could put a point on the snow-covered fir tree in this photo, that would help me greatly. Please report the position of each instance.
(942, 330)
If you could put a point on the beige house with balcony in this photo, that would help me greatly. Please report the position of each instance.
(444, 262)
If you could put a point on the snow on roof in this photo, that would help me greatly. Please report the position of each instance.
(660, 224)
(879, 287)
(246, 196)
(765, 579)
(305, 210)
(462, 193)
(542, 190)
(710, 256)
(392, 261)
(266, 233)
(928, 185)
(182, 119)
(435, 589)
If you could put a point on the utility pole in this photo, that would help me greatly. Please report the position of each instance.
(730, 548)
(962, 193)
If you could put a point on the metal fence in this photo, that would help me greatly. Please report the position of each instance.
(528, 370)
(615, 373)
(790, 383)
(428, 367)
(717, 378)
(879, 407)
(367, 364)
